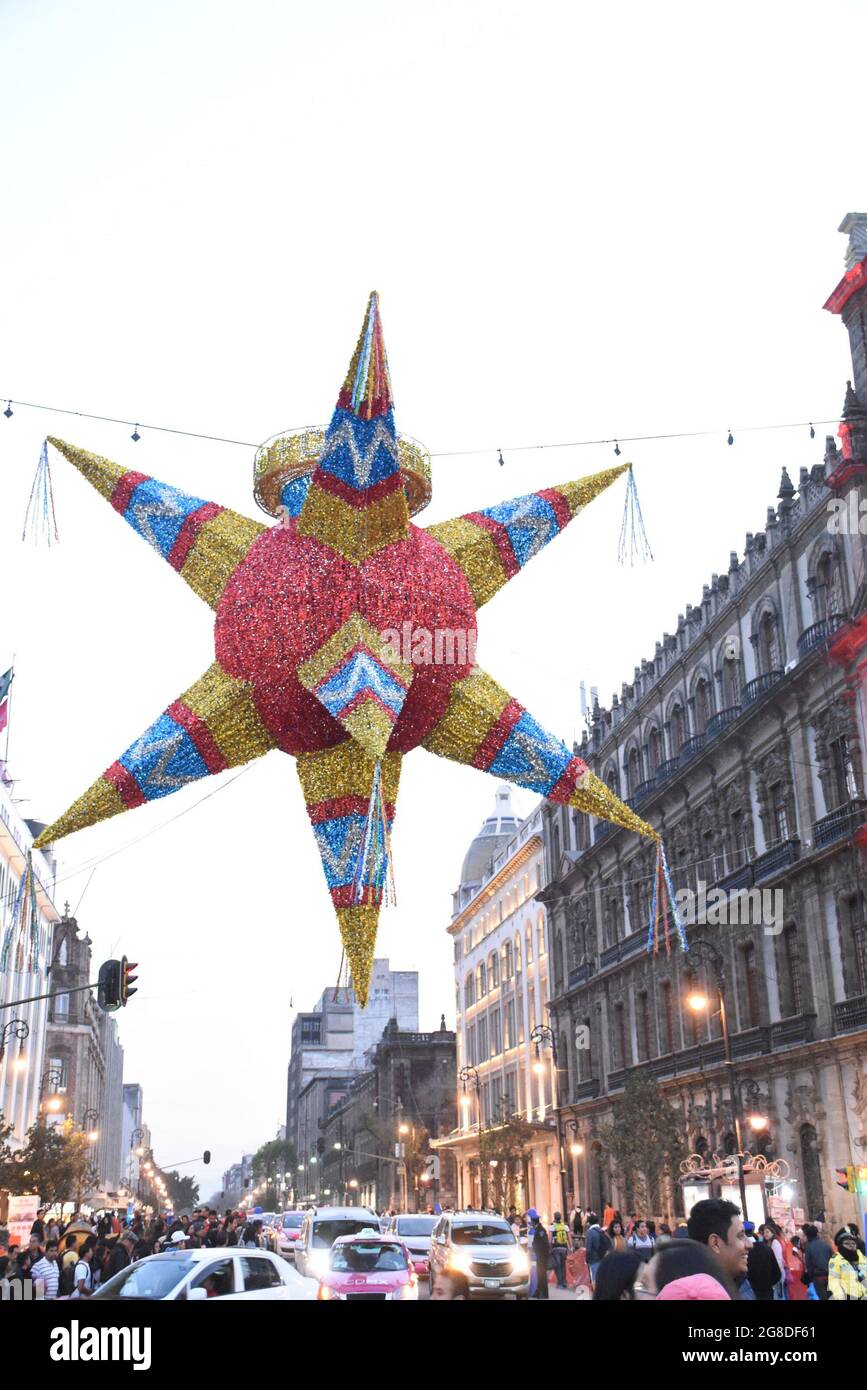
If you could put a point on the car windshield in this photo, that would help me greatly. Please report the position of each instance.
(266, 1217)
(415, 1225)
(482, 1233)
(325, 1233)
(148, 1279)
(292, 1220)
(365, 1256)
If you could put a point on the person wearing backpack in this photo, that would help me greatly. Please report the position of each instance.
(68, 1261)
(561, 1243)
(642, 1242)
(596, 1245)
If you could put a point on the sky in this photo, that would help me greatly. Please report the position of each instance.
(583, 221)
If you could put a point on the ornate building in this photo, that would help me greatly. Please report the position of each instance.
(742, 740)
(83, 1056)
(501, 993)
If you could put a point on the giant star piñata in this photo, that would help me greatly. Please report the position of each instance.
(306, 661)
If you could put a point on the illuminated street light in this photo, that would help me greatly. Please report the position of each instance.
(697, 1002)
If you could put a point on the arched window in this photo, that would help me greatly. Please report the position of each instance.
(633, 771)
(767, 645)
(63, 953)
(678, 730)
(483, 980)
(469, 990)
(494, 970)
(826, 588)
(731, 682)
(509, 966)
(702, 704)
(611, 779)
(517, 955)
(556, 854)
(653, 752)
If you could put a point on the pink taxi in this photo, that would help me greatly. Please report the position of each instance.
(368, 1267)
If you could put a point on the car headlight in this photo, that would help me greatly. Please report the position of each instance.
(461, 1262)
(325, 1292)
(318, 1261)
(520, 1263)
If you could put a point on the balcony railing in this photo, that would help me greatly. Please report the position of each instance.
(666, 770)
(718, 722)
(851, 1014)
(755, 689)
(580, 976)
(602, 829)
(753, 1042)
(690, 748)
(776, 859)
(643, 791)
(622, 950)
(819, 633)
(839, 825)
(737, 879)
(586, 1090)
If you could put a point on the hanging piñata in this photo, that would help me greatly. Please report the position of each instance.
(345, 636)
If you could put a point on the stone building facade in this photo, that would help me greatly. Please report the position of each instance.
(743, 741)
(83, 1055)
(502, 979)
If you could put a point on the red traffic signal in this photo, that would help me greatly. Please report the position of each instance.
(126, 978)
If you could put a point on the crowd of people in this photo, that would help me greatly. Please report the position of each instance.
(73, 1259)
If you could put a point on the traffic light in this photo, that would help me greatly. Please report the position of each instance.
(127, 978)
(845, 1177)
(206, 1156)
(108, 987)
(320, 1145)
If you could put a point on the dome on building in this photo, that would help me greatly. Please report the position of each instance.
(496, 831)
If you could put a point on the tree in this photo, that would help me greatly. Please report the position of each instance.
(45, 1167)
(646, 1142)
(503, 1149)
(8, 1167)
(183, 1192)
(83, 1172)
(270, 1163)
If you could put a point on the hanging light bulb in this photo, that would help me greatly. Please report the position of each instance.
(8, 412)
(617, 448)
(135, 436)
(731, 438)
(812, 431)
(500, 460)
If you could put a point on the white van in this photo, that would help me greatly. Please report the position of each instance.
(319, 1231)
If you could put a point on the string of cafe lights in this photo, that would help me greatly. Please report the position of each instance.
(498, 451)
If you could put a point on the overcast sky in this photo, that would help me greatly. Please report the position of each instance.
(583, 220)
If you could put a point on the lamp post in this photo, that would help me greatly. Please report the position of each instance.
(16, 1028)
(471, 1074)
(89, 1122)
(540, 1036)
(52, 1080)
(704, 951)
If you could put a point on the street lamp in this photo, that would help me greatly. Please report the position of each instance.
(89, 1122)
(16, 1028)
(540, 1036)
(575, 1148)
(52, 1080)
(471, 1074)
(704, 951)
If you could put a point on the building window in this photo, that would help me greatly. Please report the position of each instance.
(582, 837)
(826, 588)
(529, 945)
(633, 771)
(496, 1033)
(61, 1006)
(471, 1045)
(653, 758)
(667, 1016)
(482, 1039)
(767, 646)
(311, 1032)
(483, 980)
(556, 854)
(702, 705)
(751, 998)
(643, 1027)
(511, 1037)
(494, 969)
(842, 772)
(738, 841)
(677, 730)
(509, 965)
(540, 938)
(623, 1058)
(731, 683)
(469, 991)
(780, 812)
(791, 997)
(517, 955)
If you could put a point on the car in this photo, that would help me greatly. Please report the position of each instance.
(287, 1232)
(368, 1267)
(482, 1246)
(415, 1230)
(319, 1230)
(196, 1275)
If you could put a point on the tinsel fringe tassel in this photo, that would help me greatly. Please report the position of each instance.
(634, 545)
(663, 899)
(40, 521)
(374, 879)
(22, 933)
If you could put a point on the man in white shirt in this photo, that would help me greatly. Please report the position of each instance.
(82, 1284)
(47, 1271)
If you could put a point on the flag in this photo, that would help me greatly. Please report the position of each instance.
(5, 681)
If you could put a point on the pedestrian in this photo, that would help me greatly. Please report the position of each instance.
(641, 1241)
(82, 1279)
(98, 1263)
(38, 1227)
(577, 1223)
(122, 1254)
(537, 1244)
(47, 1269)
(847, 1270)
(817, 1260)
(685, 1271)
(451, 1284)
(20, 1275)
(617, 1238)
(561, 1243)
(717, 1224)
(68, 1261)
(615, 1278)
(763, 1272)
(770, 1234)
(597, 1244)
